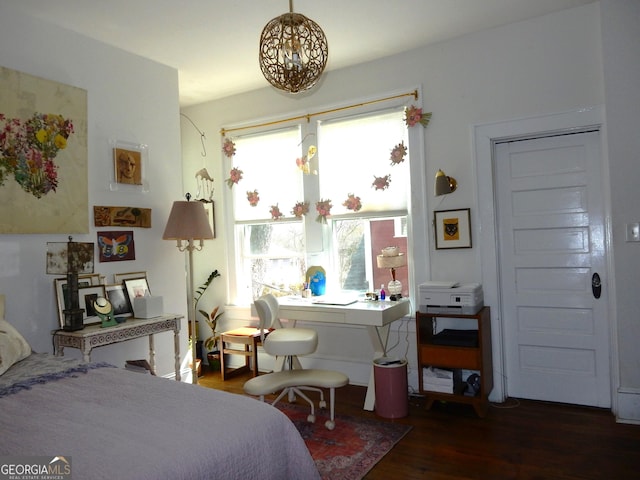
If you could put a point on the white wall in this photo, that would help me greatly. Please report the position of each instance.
(129, 99)
(620, 40)
(544, 65)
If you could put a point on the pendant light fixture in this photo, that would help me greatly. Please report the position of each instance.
(293, 52)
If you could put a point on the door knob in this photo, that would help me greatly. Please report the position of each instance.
(596, 285)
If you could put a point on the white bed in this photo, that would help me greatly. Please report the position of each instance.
(117, 424)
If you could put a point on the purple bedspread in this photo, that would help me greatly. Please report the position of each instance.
(116, 424)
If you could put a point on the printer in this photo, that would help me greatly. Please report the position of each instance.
(450, 297)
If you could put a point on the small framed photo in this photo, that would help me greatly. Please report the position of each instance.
(62, 291)
(453, 228)
(121, 277)
(88, 295)
(118, 298)
(129, 165)
(136, 287)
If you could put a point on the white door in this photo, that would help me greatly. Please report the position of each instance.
(551, 252)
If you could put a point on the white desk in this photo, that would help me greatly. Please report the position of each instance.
(376, 316)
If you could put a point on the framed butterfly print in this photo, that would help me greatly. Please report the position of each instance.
(453, 228)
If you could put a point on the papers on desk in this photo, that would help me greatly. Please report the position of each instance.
(335, 300)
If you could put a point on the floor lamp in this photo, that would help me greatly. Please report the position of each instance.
(187, 223)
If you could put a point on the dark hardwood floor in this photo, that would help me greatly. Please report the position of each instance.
(520, 439)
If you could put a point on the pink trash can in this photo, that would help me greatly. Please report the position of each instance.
(392, 391)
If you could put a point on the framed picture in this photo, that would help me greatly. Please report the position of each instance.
(88, 295)
(453, 228)
(118, 298)
(62, 291)
(116, 246)
(121, 277)
(136, 287)
(129, 166)
(59, 257)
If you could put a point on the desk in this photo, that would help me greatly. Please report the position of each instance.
(95, 336)
(376, 316)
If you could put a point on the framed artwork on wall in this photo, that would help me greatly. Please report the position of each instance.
(453, 228)
(129, 166)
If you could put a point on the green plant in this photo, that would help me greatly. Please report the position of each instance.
(210, 318)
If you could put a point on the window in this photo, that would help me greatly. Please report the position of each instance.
(353, 169)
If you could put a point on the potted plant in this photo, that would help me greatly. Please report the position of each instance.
(210, 344)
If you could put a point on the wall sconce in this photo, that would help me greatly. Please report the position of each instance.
(444, 184)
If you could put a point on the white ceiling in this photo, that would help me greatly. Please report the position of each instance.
(214, 43)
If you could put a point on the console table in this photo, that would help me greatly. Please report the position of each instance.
(95, 336)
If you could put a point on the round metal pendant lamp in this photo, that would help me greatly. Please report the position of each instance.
(293, 52)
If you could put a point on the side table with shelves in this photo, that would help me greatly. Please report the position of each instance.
(435, 353)
(95, 336)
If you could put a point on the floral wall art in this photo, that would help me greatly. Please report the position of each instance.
(43, 156)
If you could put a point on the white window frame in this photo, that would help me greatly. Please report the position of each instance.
(417, 226)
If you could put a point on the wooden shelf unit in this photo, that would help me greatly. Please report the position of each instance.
(457, 357)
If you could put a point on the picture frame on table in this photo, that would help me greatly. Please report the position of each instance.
(118, 299)
(121, 277)
(136, 287)
(62, 291)
(88, 295)
(452, 228)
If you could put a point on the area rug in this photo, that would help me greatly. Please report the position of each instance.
(350, 450)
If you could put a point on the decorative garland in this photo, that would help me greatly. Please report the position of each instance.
(412, 117)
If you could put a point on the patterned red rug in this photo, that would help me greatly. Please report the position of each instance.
(350, 450)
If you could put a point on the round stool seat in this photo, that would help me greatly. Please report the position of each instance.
(291, 341)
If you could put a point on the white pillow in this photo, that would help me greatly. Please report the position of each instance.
(13, 346)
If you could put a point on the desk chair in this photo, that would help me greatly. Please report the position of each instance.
(286, 344)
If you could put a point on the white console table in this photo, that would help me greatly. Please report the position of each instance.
(94, 336)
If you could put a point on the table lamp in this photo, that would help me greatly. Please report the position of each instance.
(391, 258)
(187, 223)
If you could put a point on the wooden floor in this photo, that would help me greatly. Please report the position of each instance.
(517, 440)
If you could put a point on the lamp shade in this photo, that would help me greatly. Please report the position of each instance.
(395, 261)
(187, 221)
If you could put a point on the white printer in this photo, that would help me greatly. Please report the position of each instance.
(450, 297)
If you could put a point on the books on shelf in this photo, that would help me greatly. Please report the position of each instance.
(440, 380)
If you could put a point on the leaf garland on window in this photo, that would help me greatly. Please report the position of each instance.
(413, 116)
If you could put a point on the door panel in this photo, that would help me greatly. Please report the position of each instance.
(550, 230)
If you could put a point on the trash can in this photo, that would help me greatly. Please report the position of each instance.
(392, 392)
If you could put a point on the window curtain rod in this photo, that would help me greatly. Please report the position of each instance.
(224, 131)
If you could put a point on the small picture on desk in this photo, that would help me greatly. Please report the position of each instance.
(62, 291)
(118, 298)
(136, 287)
(88, 295)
